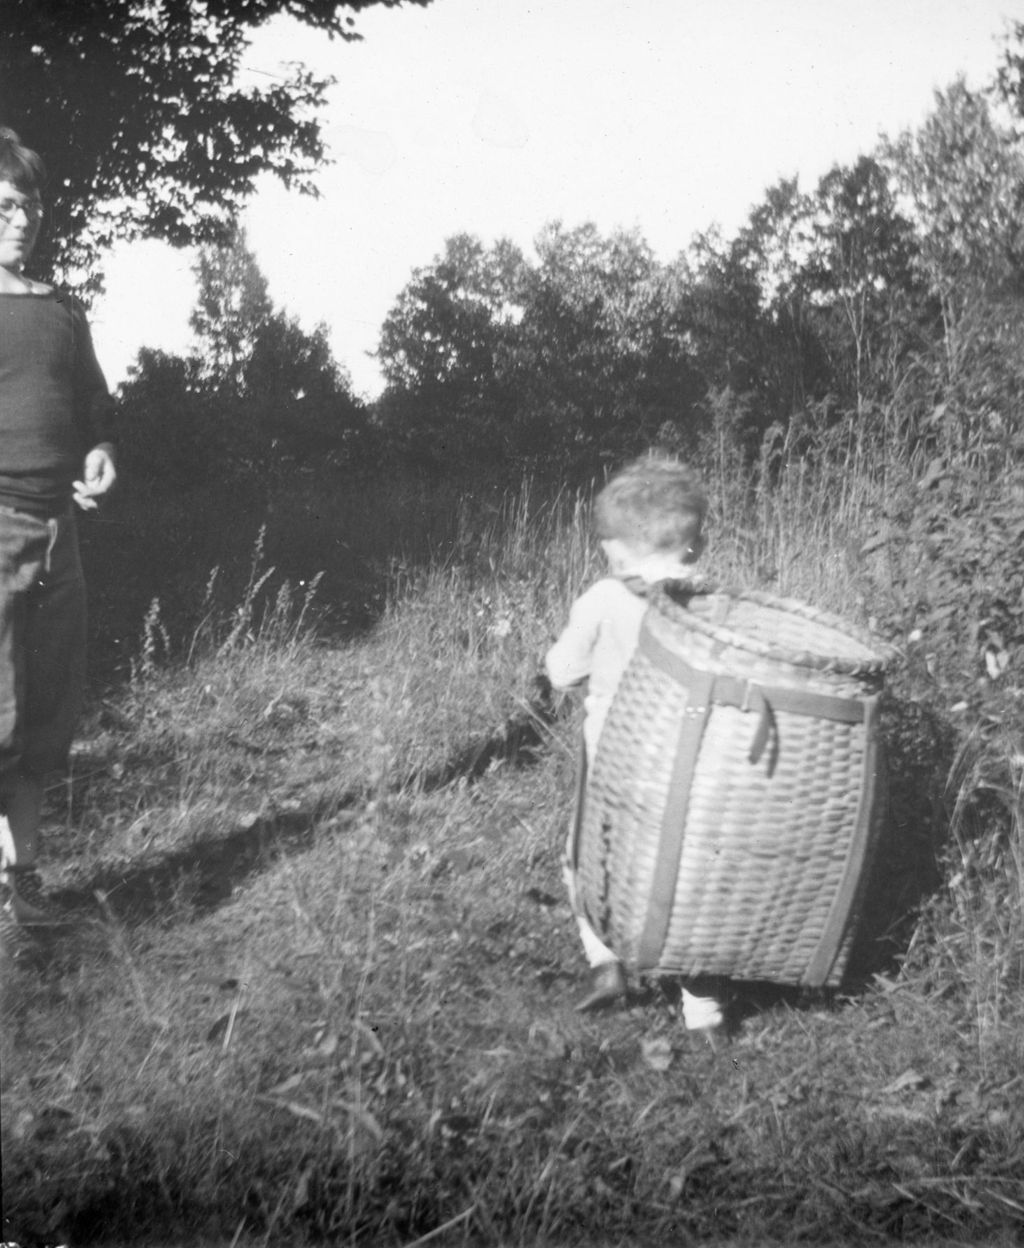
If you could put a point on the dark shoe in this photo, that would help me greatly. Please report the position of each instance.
(27, 902)
(607, 986)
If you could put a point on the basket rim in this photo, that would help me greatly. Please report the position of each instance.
(875, 665)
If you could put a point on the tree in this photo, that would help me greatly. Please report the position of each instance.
(443, 351)
(745, 306)
(444, 329)
(277, 383)
(720, 313)
(298, 394)
(232, 306)
(960, 181)
(862, 270)
(561, 361)
(601, 365)
(774, 246)
(136, 107)
(257, 392)
(176, 435)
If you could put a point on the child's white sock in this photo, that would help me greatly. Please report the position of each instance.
(701, 1013)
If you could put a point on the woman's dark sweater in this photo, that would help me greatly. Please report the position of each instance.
(54, 402)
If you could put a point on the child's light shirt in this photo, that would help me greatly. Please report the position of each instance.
(602, 633)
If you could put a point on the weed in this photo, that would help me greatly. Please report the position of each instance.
(344, 1012)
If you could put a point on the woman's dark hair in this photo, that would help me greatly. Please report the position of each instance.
(19, 165)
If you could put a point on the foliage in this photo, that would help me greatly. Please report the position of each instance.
(784, 351)
(719, 312)
(329, 998)
(256, 391)
(232, 305)
(948, 539)
(445, 328)
(299, 394)
(330, 994)
(896, 281)
(600, 365)
(443, 349)
(488, 355)
(745, 304)
(812, 298)
(147, 132)
(176, 432)
(961, 177)
(861, 272)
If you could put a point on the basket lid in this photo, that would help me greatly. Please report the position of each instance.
(784, 630)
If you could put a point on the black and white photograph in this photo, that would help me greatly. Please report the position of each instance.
(511, 623)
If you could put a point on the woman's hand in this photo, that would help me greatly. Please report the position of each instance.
(98, 478)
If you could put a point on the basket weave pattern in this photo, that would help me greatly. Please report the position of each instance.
(736, 793)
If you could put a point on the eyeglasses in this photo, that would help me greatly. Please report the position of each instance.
(32, 208)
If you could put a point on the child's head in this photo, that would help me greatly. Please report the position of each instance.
(655, 505)
(19, 165)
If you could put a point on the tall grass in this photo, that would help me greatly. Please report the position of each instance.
(795, 518)
(974, 930)
(366, 1036)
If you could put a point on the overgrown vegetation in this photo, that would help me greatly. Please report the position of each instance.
(888, 295)
(327, 991)
(322, 988)
(145, 121)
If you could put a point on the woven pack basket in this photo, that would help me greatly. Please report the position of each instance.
(726, 823)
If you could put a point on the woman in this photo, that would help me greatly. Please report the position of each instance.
(56, 425)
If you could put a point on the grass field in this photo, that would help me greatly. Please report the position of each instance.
(323, 985)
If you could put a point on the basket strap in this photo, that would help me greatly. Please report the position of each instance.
(751, 695)
(840, 914)
(673, 821)
(703, 691)
(577, 814)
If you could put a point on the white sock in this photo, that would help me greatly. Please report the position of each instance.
(701, 1013)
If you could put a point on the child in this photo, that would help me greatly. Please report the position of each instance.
(649, 518)
(55, 425)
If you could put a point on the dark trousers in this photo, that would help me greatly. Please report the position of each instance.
(42, 643)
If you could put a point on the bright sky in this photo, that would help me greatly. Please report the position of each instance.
(494, 117)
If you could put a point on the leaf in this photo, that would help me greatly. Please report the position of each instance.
(293, 1107)
(289, 1085)
(300, 1197)
(910, 1078)
(940, 614)
(996, 662)
(363, 1117)
(325, 1046)
(875, 542)
(935, 471)
(224, 1026)
(369, 1034)
(657, 1053)
(550, 1039)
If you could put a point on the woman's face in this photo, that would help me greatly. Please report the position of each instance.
(20, 216)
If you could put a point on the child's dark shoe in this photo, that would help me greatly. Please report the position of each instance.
(607, 986)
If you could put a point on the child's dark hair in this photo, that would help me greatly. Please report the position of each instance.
(654, 503)
(19, 165)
